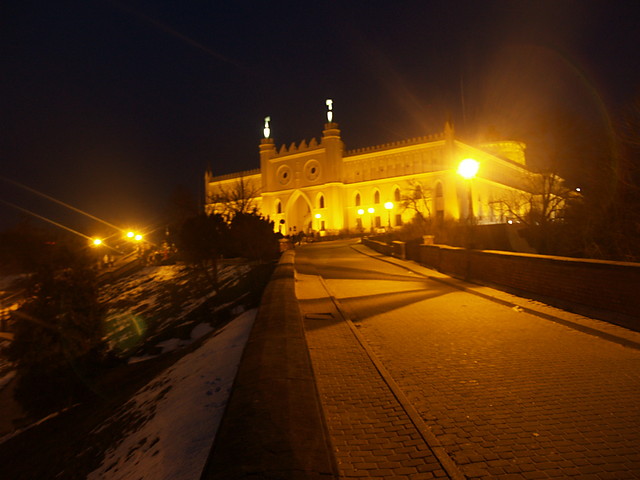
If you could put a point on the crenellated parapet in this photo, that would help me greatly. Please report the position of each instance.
(231, 176)
(293, 148)
(402, 143)
(508, 149)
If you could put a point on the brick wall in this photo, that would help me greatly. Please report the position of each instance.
(606, 287)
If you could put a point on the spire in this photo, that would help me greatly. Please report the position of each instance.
(267, 128)
(329, 104)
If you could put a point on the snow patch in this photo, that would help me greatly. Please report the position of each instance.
(183, 408)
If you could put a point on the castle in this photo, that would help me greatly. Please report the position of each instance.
(321, 188)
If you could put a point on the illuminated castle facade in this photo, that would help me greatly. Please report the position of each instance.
(319, 187)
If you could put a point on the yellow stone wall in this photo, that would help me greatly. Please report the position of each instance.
(313, 186)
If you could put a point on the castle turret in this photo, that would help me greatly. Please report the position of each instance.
(334, 147)
(267, 152)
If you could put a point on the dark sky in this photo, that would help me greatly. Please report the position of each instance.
(111, 105)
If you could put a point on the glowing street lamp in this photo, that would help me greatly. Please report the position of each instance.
(360, 213)
(96, 242)
(371, 211)
(468, 169)
(131, 235)
(388, 206)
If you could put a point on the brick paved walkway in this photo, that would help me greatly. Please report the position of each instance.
(372, 435)
(508, 394)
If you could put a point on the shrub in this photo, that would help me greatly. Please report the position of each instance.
(58, 345)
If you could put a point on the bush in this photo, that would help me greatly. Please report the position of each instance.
(202, 238)
(58, 346)
(252, 237)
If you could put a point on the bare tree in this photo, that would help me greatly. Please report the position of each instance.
(417, 198)
(616, 208)
(539, 203)
(237, 198)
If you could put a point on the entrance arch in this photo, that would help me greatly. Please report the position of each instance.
(299, 218)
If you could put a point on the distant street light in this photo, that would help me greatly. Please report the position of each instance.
(131, 235)
(360, 213)
(371, 211)
(96, 242)
(388, 206)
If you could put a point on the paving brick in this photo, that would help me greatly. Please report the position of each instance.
(493, 384)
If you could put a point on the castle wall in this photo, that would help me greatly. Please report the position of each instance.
(316, 186)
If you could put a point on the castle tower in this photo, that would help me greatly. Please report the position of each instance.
(333, 146)
(267, 152)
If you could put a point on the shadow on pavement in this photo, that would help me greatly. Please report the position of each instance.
(346, 273)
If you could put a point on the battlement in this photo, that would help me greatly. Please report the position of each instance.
(402, 143)
(302, 147)
(508, 149)
(231, 176)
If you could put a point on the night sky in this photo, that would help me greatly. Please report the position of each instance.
(112, 105)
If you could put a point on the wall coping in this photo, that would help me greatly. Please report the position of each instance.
(549, 258)
(273, 425)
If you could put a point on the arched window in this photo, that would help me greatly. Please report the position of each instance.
(396, 195)
(357, 199)
(321, 201)
(438, 190)
(278, 206)
(376, 197)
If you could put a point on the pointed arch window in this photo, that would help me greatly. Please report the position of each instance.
(357, 200)
(376, 197)
(321, 201)
(396, 194)
(278, 206)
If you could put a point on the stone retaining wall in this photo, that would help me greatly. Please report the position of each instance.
(609, 290)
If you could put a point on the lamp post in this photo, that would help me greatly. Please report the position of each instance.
(388, 206)
(468, 169)
(371, 211)
(360, 213)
